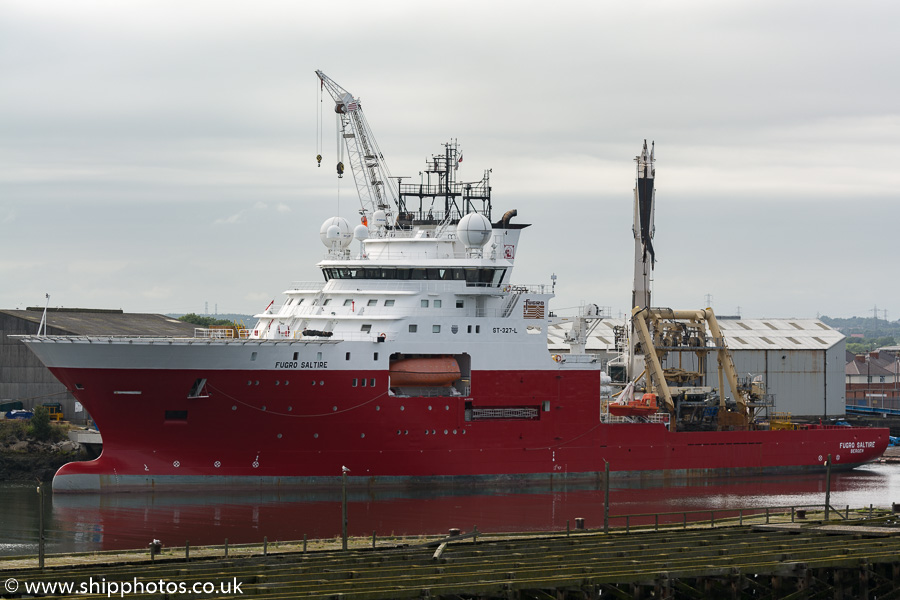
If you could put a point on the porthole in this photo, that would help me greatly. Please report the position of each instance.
(290, 408)
(316, 435)
(264, 407)
(279, 435)
(362, 435)
(445, 432)
(334, 408)
(234, 407)
(402, 408)
(377, 408)
(429, 408)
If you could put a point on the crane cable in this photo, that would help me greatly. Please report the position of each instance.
(319, 126)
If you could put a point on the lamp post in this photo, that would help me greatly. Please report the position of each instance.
(344, 471)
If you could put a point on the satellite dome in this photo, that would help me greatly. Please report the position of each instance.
(474, 230)
(342, 232)
(361, 232)
(379, 218)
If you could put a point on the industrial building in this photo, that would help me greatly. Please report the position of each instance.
(24, 378)
(801, 361)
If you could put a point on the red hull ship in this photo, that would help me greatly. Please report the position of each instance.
(417, 361)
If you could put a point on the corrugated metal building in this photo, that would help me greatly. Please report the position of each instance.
(801, 360)
(23, 377)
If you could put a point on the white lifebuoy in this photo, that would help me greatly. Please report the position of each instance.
(557, 358)
(506, 289)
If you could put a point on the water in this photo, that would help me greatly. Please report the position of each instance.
(80, 523)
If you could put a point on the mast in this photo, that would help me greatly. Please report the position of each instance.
(643, 230)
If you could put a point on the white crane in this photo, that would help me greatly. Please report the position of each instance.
(377, 190)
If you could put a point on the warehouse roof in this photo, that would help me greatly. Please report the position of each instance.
(86, 321)
(740, 334)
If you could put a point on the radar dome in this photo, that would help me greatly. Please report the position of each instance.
(361, 232)
(342, 233)
(379, 218)
(474, 230)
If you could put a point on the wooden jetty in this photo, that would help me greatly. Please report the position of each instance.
(856, 557)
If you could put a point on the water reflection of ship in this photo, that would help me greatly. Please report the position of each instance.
(110, 522)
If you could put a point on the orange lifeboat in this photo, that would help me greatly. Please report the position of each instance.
(437, 371)
(643, 407)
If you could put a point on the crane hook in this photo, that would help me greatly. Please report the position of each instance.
(319, 159)
(340, 169)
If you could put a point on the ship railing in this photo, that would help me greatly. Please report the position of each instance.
(661, 418)
(296, 335)
(355, 287)
(580, 359)
(219, 333)
(306, 286)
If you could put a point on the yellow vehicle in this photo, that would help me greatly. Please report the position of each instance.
(55, 410)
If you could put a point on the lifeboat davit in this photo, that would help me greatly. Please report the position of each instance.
(437, 371)
(643, 407)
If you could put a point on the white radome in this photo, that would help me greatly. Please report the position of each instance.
(474, 230)
(343, 232)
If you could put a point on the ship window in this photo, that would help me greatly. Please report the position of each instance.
(418, 274)
(372, 302)
(318, 356)
(436, 304)
(424, 303)
(469, 329)
(413, 327)
(198, 390)
(460, 304)
(347, 302)
(290, 301)
(375, 357)
(435, 329)
(355, 382)
(78, 386)
(176, 415)
(327, 302)
(546, 406)
(367, 328)
(253, 356)
(364, 382)
(300, 301)
(296, 356)
(347, 356)
(371, 383)
(388, 302)
(478, 329)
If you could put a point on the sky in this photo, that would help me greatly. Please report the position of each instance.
(159, 156)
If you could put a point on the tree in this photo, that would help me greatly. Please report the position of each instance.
(205, 321)
(40, 424)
